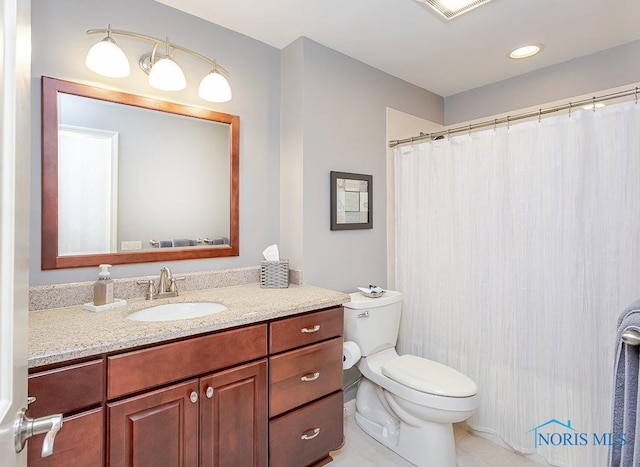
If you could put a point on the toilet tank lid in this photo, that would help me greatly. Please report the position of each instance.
(360, 302)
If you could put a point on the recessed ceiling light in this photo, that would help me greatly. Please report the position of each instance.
(452, 8)
(526, 51)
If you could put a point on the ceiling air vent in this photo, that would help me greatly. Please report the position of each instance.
(452, 8)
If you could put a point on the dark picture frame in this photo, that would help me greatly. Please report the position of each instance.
(351, 201)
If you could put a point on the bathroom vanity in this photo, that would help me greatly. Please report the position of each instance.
(259, 384)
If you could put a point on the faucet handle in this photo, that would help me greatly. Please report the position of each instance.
(151, 290)
(173, 287)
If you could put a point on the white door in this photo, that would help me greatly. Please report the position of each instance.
(15, 59)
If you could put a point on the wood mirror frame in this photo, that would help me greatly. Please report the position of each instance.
(50, 257)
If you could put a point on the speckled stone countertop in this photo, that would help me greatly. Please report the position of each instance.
(63, 334)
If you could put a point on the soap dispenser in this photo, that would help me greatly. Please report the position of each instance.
(103, 287)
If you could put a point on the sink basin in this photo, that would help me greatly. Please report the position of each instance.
(177, 311)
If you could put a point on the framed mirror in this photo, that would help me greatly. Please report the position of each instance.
(130, 179)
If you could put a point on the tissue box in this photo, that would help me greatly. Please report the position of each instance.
(274, 274)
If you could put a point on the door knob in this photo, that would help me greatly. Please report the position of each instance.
(26, 427)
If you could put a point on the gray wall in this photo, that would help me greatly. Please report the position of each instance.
(593, 73)
(335, 119)
(59, 49)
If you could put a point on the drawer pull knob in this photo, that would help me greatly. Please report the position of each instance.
(193, 397)
(310, 377)
(209, 392)
(315, 431)
(316, 328)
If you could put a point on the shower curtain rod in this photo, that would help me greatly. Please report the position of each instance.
(509, 119)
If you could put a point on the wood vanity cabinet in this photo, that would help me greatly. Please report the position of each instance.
(217, 420)
(214, 419)
(262, 394)
(305, 388)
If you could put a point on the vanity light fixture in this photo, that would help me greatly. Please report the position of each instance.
(453, 8)
(107, 59)
(526, 51)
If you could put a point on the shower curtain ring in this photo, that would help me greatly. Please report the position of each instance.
(469, 131)
(539, 115)
(636, 95)
(594, 103)
(569, 109)
(508, 123)
(495, 125)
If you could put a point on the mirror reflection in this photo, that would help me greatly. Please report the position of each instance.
(135, 179)
(138, 178)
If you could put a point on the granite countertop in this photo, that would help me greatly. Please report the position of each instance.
(63, 334)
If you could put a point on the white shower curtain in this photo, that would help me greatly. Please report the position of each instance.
(517, 249)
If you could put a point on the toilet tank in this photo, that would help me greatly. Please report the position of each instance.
(373, 323)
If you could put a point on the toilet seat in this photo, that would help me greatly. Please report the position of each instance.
(428, 376)
(371, 368)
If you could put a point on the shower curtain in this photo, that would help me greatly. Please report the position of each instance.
(517, 249)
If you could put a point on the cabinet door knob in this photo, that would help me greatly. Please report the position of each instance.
(316, 328)
(310, 377)
(193, 397)
(209, 392)
(315, 431)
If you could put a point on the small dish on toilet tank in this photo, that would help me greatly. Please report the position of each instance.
(373, 291)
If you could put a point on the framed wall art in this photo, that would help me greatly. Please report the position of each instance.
(351, 201)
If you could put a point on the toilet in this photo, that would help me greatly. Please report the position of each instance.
(407, 403)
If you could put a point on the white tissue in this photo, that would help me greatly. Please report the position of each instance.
(350, 354)
(271, 253)
(371, 289)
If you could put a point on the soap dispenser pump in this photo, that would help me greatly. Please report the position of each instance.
(103, 287)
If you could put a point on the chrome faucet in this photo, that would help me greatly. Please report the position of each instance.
(165, 279)
(166, 286)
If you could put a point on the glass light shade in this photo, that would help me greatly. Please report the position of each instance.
(166, 75)
(107, 59)
(214, 88)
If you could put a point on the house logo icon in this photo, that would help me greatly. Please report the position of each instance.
(554, 432)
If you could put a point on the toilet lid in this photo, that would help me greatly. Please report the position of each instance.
(428, 376)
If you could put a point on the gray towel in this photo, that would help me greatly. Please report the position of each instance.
(625, 393)
(180, 242)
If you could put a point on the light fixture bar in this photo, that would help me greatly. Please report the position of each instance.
(157, 41)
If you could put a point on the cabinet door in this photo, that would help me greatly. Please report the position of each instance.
(79, 443)
(233, 417)
(156, 428)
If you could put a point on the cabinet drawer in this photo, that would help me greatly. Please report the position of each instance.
(306, 329)
(79, 443)
(147, 368)
(305, 436)
(302, 375)
(66, 389)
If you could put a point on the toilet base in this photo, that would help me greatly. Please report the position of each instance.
(421, 442)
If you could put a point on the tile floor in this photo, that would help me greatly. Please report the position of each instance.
(360, 450)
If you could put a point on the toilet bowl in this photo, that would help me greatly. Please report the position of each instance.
(406, 402)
